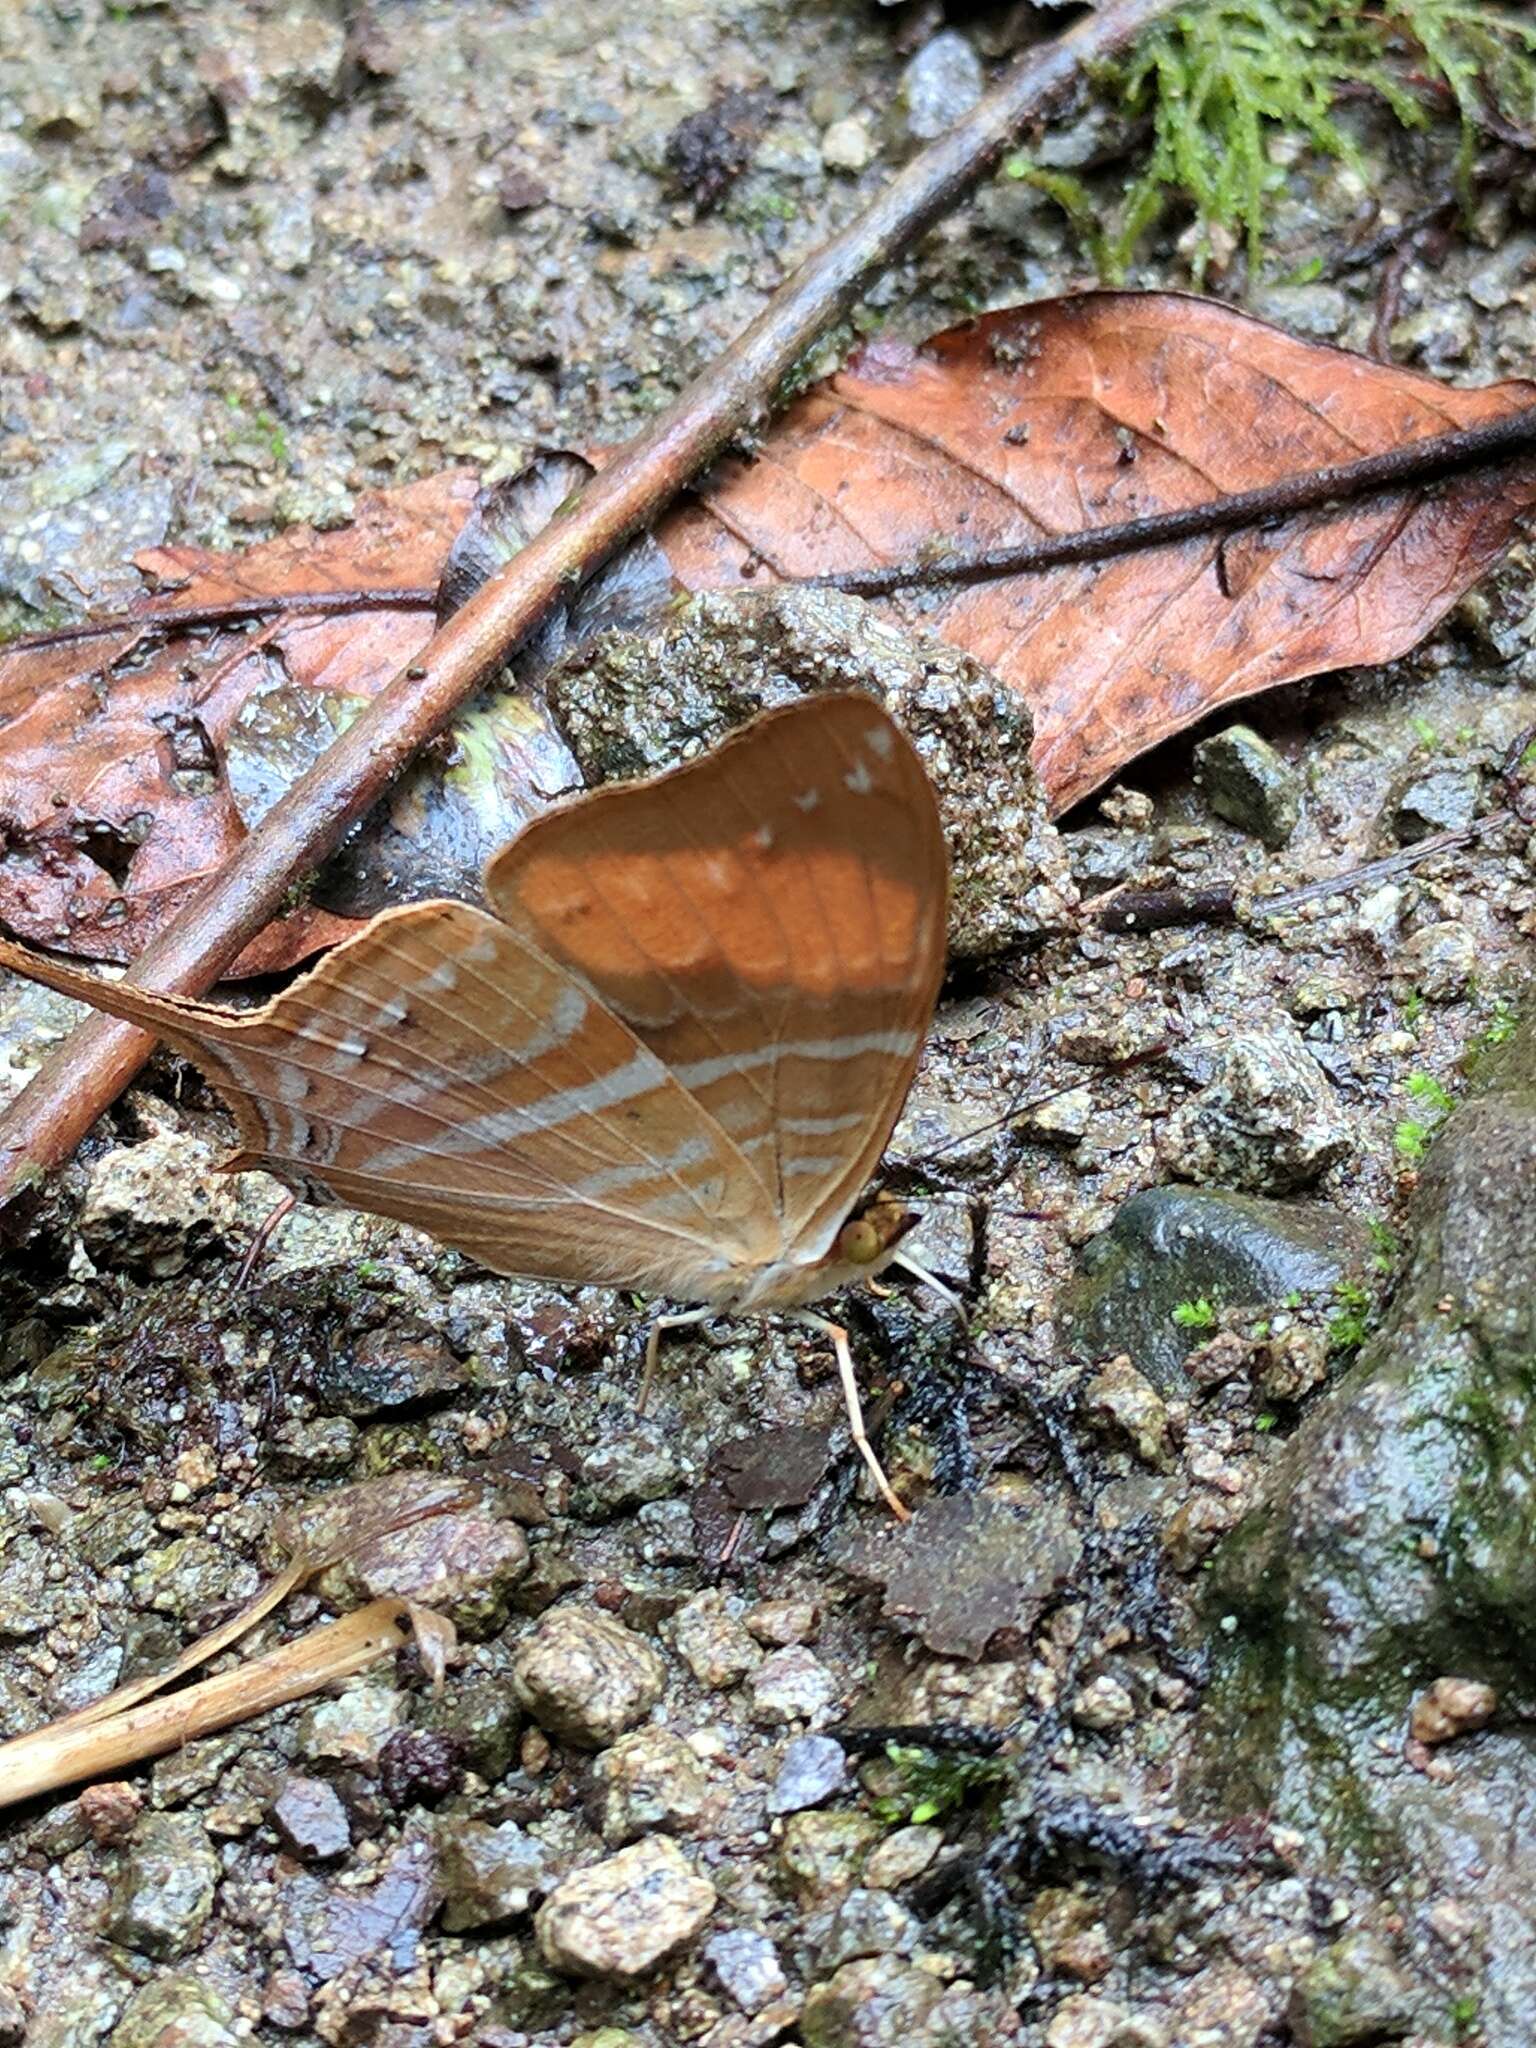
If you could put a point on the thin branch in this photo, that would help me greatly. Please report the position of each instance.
(83, 1076)
(1415, 462)
(166, 615)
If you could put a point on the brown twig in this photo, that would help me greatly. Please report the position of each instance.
(1133, 909)
(1415, 462)
(84, 1075)
(166, 615)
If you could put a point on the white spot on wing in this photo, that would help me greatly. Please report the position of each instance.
(808, 799)
(763, 837)
(858, 779)
(879, 741)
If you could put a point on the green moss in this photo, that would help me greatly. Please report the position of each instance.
(1195, 1315)
(1215, 83)
(934, 1782)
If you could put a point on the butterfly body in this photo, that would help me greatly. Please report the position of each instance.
(666, 1057)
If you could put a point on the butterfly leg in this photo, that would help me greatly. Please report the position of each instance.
(844, 1356)
(265, 1232)
(653, 1348)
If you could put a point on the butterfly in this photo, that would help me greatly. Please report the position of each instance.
(666, 1057)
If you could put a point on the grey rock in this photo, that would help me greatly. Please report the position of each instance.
(1170, 1245)
(1390, 1545)
(162, 1892)
(620, 1918)
(746, 1966)
(1266, 1121)
(636, 1464)
(585, 1677)
(1247, 783)
(629, 706)
(488, 1875)
(902, 1856)
(814, 1767)
(791, 1685)
(310, 1819)
(1318, 311)
(354, 1726)
(482, 1715)
(648, 1779)
(176, 2012)
(868, 1923)
(466, 1562)
(384, 1369)
(1353, 1993)
(1436, 962)
(943, 81)
(1433, 797)
(884, 2002)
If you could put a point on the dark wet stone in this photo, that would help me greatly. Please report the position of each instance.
(488, 1874)
(384, 1369)
(163, 1889)
(778, 1468)
(966, 1567)
(310, 1819)
(483, 1717)
(419, 1766)
(1437, 797)
(1391, 1546)
(1171, 1245)
(708, 151)
(1249, 784)
(328, 1928)
(813, 1768)
(1266, 1118)
(1354, 1993)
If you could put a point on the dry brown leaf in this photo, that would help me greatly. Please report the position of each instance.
(1085, 412)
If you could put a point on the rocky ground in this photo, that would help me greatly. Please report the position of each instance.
(1208, 1655)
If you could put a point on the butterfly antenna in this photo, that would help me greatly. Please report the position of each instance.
(940, 1287)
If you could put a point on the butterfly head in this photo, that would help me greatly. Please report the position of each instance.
(870, 1236)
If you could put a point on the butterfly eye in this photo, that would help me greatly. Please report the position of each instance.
(859, 1242)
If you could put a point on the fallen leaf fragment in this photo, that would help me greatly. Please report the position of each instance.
(1089, 411)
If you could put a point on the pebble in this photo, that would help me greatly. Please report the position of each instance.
(746, 1966)
(175, 2012)
(384, 1369)
(1103, 1704)
(868, 1923)
(354, 1726)
(637, 1465)
(1353, 1993)
(1451, 1707)
(1437, 798)
(1436, 962)
(814, 1767)
(310, 1819)
(585, 1677)
(648, 1779)
(902, 1856)
(163, 1889)
(1246, 782)
(942, 82)
(791, 1685)
(823, 1853)
(1266, 1122)
(713, 1642)
(781, 1623)
(876, 2002)
(619, 1918)
(847, 146)
(1120, 1402)
(488, 1874)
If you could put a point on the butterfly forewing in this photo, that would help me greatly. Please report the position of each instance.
(770, 921)
(668, 1061)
